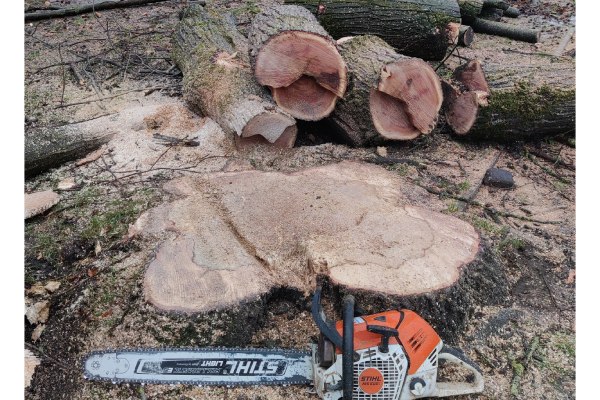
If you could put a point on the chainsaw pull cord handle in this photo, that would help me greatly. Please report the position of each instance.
(348, 347)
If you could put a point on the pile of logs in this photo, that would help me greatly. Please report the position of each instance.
(361, 66)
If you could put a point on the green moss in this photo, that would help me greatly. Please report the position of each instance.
(512, 243)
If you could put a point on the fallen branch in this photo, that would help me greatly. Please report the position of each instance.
(152, 89)
(505, 30)
(89, 8)
(486, 208)
(462, 206)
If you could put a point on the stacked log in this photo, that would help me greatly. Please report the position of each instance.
(392, 96)
(294, 56)
(415, 28)
(218, 80)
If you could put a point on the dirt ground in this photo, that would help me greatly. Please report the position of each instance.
(111, 68)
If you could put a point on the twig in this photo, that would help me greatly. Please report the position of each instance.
(486, 208)
(88, 8)
(392, 160)
(80, 121)
(174, 141)
(113, 96)
(547, 157)
(58, 363)
(447, 57)
(564, 42)
(462, 206)
(80, 79)
(519, 368)
(62, 95)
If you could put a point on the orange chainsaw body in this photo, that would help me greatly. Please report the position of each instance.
(417, 337)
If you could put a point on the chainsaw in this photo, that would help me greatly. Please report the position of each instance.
(391, 355)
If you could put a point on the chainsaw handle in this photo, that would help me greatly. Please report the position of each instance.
(326, 327)
(348, 347)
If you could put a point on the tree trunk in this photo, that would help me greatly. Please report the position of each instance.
(392, 96)
(492, 14)
(470, 9)
(293, 55)
(47, 148)
(218, 81)
(416, 28)
(527, 102)
(505, 30)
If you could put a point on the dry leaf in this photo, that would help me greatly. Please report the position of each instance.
(571, 277)
(36, 289)
(37, 332)
(106, 313)
(98, 248)
(52, 286)
(382, 151)
(92, 272)
(39, 312)
(31, 362)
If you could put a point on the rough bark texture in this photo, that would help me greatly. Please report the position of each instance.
(512, 12)
(501, 29)
(470, 9)
(358, 116)
(218, 81)
(492, 14)
(293, 55)
(47, 148)
(527, 102)
(416, 28)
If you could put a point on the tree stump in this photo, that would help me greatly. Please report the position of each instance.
(416, 28)
(233, 239)
(294, 56)
(392, 96)
(218, 80)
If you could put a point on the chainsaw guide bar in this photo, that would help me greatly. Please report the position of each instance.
(201, 366)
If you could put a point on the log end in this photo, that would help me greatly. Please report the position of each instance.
(417, 88)
(272, 126)
(297, 63)
(390, 118)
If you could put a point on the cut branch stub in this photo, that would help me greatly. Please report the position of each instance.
(293, 55)
(218, 80)
(392, 96)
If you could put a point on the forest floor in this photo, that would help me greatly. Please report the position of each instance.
(113, 70)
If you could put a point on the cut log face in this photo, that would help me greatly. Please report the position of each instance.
(306, 99)
(218, 80)
(461, 109)
(392, 96)
(389, 117)
(417, 86)
(472, 78)
(298, 60)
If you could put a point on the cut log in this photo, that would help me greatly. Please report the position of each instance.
(294, 56)
(491, 14)
(218, 80)
(47, 148)
(466, 35)
(470, 9)
(527, 102)
(460, 108)
(351, 223)
(392, 96)
(499, 4)
(505, 30)
(472, 77)
(416, 28)
(512, 12)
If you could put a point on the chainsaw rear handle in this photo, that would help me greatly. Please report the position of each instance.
(451, 355)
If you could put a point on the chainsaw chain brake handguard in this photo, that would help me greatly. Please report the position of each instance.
(344, 342)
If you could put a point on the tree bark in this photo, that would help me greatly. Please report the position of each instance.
(492, 14)
(294, 56)
(217, 78)
(527, 102)
(392, 96)
(470, 9)
(506, 30)
(47, 148)
(416, 28)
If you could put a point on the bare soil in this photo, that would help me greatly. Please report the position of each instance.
(123, 57)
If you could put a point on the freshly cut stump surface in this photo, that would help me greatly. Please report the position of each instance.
(294, 56)
(233, 237)
(38, 202)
